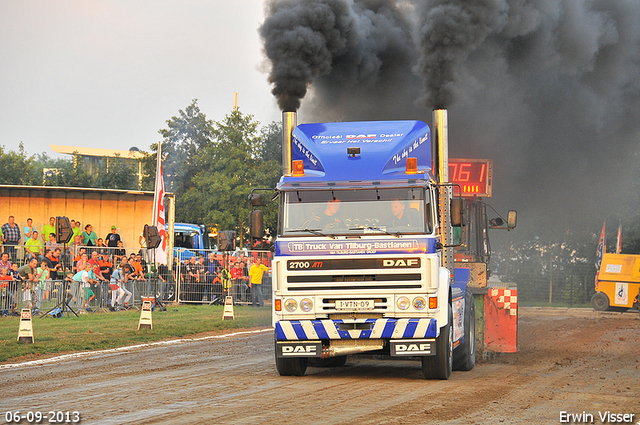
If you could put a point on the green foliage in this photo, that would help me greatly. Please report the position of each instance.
(17, 168)
(116, 173)
(272, 145)
(212, 167)
(187, 134)
(562, 265)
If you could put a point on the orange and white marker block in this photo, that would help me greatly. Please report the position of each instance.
(228, 308)
(145, 316)
(25, 332)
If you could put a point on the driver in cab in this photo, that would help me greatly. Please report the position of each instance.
(402, 217)
(328, 219)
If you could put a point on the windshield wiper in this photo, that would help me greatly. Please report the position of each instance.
(397, 234)
(314, 231)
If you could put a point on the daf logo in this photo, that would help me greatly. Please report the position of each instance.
(361, 136)
(410, 262)
(287, 349)
(411, 348)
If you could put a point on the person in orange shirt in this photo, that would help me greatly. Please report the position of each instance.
(138, 270)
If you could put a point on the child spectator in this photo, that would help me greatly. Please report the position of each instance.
(43, 277)
(106, 268)
(28, 276)
(87, 280)
(68, 281)
(138, 270)
(77, 230)
(101, 248)
(28, 229)
(118, 278)
(119, 252)
(5, 279)
(14, 287)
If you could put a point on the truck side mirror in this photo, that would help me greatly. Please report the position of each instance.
(256, 200)
(512, 219)
(256, 224)
(457, 208)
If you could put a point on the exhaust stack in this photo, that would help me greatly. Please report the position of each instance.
(289, 122)
(440, 167)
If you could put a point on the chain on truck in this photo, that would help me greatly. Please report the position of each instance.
(364, 255)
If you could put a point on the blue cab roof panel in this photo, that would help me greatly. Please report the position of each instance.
(384, 147)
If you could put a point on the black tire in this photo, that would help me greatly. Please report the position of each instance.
(295, 366)
(338, 361)
(440, 365)
(464, 357)
(600, 301)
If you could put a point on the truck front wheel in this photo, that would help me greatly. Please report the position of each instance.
(296, 366)
(440, 365)
(600, 301)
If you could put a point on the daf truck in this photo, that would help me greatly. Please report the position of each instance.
(364, 259)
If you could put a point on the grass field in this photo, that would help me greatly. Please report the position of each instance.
(109, 330)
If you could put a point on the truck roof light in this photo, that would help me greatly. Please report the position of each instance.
(412, 165)
(297, 168)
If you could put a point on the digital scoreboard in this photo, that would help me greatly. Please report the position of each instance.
(473, 175)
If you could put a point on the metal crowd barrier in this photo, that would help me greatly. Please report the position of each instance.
(207, 288)
(177, 286)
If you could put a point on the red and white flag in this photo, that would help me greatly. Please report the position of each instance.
(158, 211)
(602, 246)
(619, 240)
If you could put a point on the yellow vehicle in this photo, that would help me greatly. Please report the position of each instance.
(618, 283)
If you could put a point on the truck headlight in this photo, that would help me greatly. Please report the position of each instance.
(306, 305)
(403, 303)
(290, 305)
(419, 303)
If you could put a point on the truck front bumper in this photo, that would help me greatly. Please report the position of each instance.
(304, 330)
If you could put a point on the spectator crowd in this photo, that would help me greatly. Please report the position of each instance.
(93, 271)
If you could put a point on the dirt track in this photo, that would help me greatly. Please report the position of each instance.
(571, 361)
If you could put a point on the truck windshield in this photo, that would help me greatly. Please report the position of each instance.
(356, 211)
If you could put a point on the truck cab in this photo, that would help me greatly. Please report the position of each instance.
(189, 240)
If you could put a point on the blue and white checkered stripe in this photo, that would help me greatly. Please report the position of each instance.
(295, 330)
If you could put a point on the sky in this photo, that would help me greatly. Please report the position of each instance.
(109, 73)
(547, 89)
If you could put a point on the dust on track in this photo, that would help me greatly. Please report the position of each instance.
(568, 360)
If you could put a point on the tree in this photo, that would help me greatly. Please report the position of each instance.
(17, 168)
(272, 142)
(182, 146)
(68, 172)
(116, 173)
(230, 167)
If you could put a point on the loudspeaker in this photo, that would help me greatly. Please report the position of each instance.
(64, 232)
(151, 236)
(227, 240)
